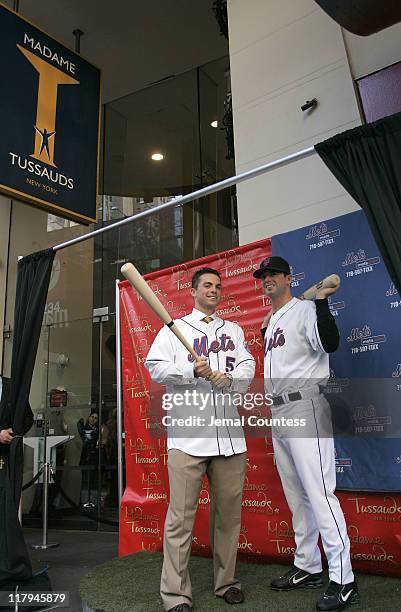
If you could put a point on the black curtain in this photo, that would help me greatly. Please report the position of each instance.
(367, 162)
(32, 286)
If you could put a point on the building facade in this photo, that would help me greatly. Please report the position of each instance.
(169, 79)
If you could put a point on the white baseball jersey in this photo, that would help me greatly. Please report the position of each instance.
(294, 355)
(223, 344)
(295, 360)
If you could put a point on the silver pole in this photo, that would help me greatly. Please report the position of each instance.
(46, 466)
(45, 502)
(45, 544)
(99, 437)
(200, 193)
(119, 398)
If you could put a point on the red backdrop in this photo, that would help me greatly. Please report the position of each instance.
(374, 520)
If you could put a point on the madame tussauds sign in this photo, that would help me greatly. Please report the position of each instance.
(50, 121)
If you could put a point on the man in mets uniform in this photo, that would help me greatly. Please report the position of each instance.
(298, 335)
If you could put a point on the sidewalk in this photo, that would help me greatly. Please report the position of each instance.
(78, 553)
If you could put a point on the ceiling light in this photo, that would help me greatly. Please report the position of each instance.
(157, 156)
(215, 123)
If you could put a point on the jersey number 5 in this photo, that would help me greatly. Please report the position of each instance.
(230, 363)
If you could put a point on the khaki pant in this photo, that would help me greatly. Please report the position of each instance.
(226, 479)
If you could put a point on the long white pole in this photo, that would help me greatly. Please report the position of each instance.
(195, 195)
(119, 400)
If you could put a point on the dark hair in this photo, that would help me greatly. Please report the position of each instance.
(199, 273)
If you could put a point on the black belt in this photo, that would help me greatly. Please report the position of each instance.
(279, 400)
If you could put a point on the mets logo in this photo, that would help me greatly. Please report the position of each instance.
(276, 340)
(359, 334)
(353, 257)
(391, 291)
(359, 259)
(316, 231)
(397, 372)
(201, 346)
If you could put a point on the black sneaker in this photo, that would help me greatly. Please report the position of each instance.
(296, 578)
(338, 596)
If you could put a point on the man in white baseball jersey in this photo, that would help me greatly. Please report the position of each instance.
(214, 445)
(298, 335)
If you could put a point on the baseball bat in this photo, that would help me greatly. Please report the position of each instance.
(330, 281)
(141, 286)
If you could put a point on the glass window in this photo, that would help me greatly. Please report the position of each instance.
(157, 145)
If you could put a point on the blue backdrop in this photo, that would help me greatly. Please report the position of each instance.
(367, 366)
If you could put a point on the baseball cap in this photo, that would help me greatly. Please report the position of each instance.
(275, 264)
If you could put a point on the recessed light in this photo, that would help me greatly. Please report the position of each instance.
(215, 123)
(157, 156)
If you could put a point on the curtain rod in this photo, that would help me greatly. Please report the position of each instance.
(194, 195)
